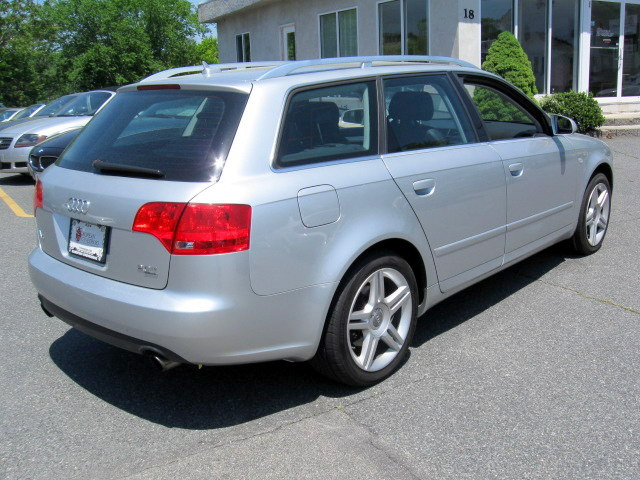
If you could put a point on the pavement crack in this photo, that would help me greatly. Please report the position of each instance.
(583, 295)
(208, 446)
(379, 446)
(625, 154)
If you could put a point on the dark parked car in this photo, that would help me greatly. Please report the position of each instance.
(48, 152)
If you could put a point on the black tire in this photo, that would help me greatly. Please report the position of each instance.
(334, 357)
(580, 240)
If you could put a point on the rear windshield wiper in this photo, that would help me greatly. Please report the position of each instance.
(127, 169)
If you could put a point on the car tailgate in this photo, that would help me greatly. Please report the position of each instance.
(78, 204)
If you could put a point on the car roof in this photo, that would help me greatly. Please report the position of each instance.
(243, 76)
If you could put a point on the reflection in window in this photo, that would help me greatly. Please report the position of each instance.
(416, 26)
(424, 112)
(497, 17)
(243, 48)
(410, 17)
(532, 31)
(503, 117)
(605, 36)
(564, 46)
(329, 123)
(390, 28)
(631, 66)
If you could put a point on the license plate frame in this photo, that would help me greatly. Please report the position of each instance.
(88, 240)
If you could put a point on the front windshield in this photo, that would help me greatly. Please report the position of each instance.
(27, 111)
(6, 114)
(84, 104)
(55, 105)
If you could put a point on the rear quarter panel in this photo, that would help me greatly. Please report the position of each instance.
(286, 255)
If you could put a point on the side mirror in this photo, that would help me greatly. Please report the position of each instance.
(563, 125)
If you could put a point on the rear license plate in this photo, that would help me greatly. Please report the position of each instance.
(88, 240)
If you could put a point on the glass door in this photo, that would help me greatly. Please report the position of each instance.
(631, 53)
(605, 48)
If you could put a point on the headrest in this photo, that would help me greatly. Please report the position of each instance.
(325, 112)
(317, 112)
(412, 106)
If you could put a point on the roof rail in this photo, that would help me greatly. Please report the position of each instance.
(207, 69)
(365, 62)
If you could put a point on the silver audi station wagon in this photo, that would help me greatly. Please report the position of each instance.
(307, 210)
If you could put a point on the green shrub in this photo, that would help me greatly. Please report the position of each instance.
(507, 59)
(580, 106)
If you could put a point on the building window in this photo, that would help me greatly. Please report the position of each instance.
(339, 34)
(497, 17)
(564, 45)
(403, 27)
(243, 48)
(548, 32)
(288, 36)
(533, 32)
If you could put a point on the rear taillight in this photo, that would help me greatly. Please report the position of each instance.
(160, 220)
(37, 197)
(196, 228)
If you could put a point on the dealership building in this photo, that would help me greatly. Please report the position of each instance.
(584, 45)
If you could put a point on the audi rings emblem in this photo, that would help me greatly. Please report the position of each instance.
(76, 205)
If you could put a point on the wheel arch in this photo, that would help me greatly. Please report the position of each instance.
(399, 246)
(393, 245)
(606, 170)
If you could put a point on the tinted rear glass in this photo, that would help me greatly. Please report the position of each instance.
(84, 104)
(181, 133)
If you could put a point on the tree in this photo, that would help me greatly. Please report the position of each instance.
(112, 42)
(23, 63)
(507, 59)
(207, 51)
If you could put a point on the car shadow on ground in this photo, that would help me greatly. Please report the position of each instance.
(17, 180)
(217, 397)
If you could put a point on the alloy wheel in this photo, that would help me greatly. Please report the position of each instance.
(379, 319)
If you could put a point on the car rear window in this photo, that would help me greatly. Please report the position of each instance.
(186, 135)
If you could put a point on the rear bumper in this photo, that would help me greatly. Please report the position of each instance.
(108, 336)
(220, 322)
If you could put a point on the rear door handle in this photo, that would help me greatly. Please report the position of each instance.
(425, 187)
(516, 169)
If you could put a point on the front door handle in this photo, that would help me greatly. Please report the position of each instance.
(516, 169)
(425, 187)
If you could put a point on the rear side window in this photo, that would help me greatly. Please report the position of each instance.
(424, 112)
(329, 123)
(186, 135)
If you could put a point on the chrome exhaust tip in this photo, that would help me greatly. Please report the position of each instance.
(163, 364)
(159, 361)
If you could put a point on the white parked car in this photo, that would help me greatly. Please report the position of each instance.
(17, 141)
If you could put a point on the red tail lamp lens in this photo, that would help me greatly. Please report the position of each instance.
(196, 229)
(160, 220)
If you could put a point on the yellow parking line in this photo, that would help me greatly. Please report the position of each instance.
(13, 205)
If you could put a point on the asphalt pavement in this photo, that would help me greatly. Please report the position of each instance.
(533, 373)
